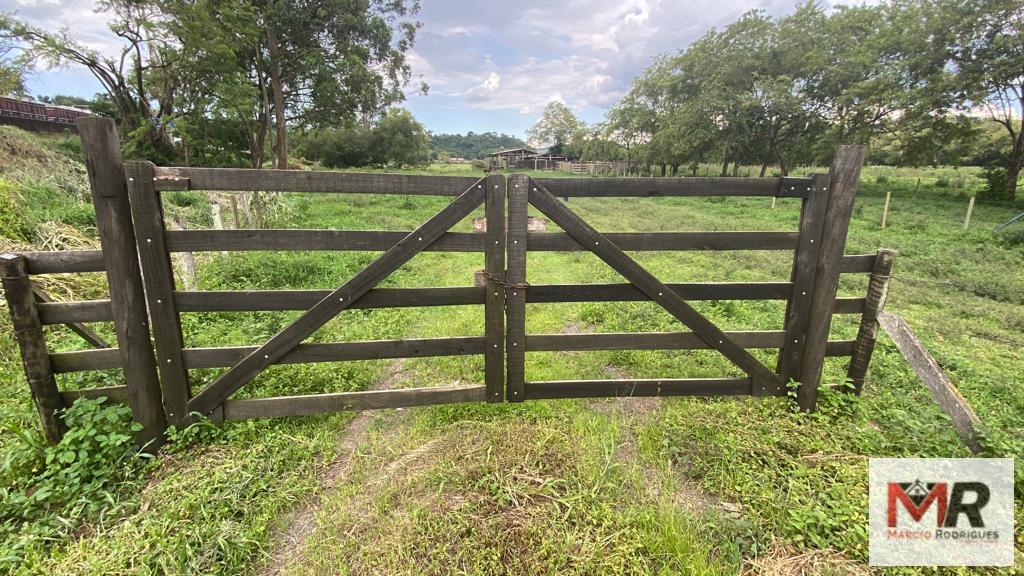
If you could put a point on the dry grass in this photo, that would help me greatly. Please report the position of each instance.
(785, 560)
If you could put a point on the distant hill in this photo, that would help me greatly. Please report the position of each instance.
(473, 145)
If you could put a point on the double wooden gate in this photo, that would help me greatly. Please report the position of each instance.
(145, 303)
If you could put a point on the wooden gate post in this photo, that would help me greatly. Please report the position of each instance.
(515, 295)
(864, 345)
(34, 356)
(102, 151)
(158, 277)
(494, 301)
(843, 179)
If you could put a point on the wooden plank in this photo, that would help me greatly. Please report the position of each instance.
(335, 240)
(690, 186)
(278, 300)
(857, 263)
(844, 176)
(494, 307)
(370, 400)
(342, 351)
(515, 298)
(867, 332)
(945, 394)
(65, 261)
(849, 306)
(287, 339)
(798, 307)
(82, 360)
(28, 331)
(664, 241)
(102, 152)
(637, 388)
(86, 333)
(75, 312)
(113, 394)
(551, 293)
(158, 279)
(662, 341)
(244, 179)
(765, 381)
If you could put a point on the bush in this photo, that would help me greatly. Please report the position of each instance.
(942, 182)
(995, 183)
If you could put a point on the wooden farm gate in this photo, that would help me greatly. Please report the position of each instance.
(144, 302)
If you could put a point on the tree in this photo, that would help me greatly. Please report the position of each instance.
(399, 139)
(555, 128)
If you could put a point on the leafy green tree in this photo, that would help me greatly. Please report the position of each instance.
(399, 139)
(555, 128)
(473, 145)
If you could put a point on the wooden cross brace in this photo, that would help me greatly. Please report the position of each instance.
(765, 381)
(207, 400)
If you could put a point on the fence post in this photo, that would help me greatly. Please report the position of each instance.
(158, 278)
(494, 302)
(102, 151)
(864, 345)
(843, 179)
(515, 296)
(34, 356)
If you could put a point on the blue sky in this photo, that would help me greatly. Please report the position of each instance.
(490, 66)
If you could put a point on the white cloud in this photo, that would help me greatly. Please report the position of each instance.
(492, 83)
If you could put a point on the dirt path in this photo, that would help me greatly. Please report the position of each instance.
(302, 522)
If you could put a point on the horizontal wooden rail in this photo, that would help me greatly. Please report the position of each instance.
(242, 179)
(279, 300)
(75, 312)
(340, 240)
(343, 351)
(651, 241)
(627, 388)
(856, 263)
(690, 186)
(549, 293)
(370, 400)
(82, 360)
(659, 341)
(64, 261)
(117, 394)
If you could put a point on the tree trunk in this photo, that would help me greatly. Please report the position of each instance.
(764, 168)
(664, 168)
(736, 169)
(259, 140)
(725, 166)
(281, 140)
(1013, 164)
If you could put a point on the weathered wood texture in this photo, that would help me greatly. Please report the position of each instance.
(244, 179)
(662, 341)
(65, 261)
(284, 341)
(276, 300)
(116, 394)
(338, 240)
(494, 305)
(628, 388)
(75, 312)
(158, 278)
(515, 297)
(843, 178)
(28, 331)
(765, 381)
(798, 307)
(655, 187)
(656, 241)
(945, 394)
(102, 152)
(246, 409)
(867, 333)
(86, 333)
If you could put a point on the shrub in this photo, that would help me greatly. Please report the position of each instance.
(942, 182)
(995, 183)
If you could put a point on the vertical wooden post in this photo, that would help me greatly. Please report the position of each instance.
(515, 296)
(34, 356)
(798, 308)
(864, 345)
(494, 302)
(970, 210)
(158, 277)
(102, 152)
(843, 178)
(885, 211)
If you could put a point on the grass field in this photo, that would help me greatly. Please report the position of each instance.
(673, 486)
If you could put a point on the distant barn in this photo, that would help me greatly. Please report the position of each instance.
(512, 158)
(39, 117)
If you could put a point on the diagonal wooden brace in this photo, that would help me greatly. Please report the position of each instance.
(206, 401)
(765, 381)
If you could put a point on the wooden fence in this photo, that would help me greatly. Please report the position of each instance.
(144, 302)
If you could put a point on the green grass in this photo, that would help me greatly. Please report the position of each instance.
(581, 487)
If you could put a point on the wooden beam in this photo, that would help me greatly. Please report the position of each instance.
(287, 339)
(102, 152)
(65, 261)
(878, 289)
(75, 312)
(86, 333)
(114, 394)
(945, 394)
(279, 300)
(670, 241)
(515, 298)
(638, 388)
(494, 306)
(245, 179)
(335, 240)
(765, 381)
(662, 187)
(247, 409)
